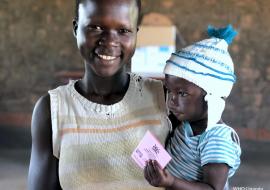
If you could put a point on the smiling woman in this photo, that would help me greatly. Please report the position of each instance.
(83, 133)
(106, 42)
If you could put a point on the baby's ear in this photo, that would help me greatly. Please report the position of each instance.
(75, 27)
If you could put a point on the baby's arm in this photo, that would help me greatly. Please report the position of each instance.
(214, 178)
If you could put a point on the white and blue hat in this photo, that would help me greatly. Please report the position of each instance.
(207, 64)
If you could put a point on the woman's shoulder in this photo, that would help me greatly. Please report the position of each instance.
(147, 81)
(63, 87)
(150, 90)
(41, 117)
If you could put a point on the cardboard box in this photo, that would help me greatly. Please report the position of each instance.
(154, 46)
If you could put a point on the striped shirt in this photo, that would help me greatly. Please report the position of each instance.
(94, 142)
(190, 153)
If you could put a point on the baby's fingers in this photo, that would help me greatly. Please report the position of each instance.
(151, 174)
(148, 171)
(158, 171)
(151, 170)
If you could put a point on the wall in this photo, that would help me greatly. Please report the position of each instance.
(37, 48)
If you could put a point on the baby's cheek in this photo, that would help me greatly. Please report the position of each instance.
(183, 105)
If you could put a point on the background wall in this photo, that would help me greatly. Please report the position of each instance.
(37, 48)
(37, 51)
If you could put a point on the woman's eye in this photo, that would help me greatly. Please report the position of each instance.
(94, 28)
(124, 31)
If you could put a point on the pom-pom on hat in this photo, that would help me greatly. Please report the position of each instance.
(207, 64)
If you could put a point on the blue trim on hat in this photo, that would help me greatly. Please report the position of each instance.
(204, 65)
(228, 33)
(211, 48)
(205, 58)
(200, 73)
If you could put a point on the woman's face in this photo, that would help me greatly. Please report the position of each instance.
(106, 33)
(185, 100)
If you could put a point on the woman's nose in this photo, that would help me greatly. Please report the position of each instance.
(109, 38)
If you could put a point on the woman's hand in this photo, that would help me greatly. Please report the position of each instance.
(156, 176)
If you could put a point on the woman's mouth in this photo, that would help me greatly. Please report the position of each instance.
(106, 57)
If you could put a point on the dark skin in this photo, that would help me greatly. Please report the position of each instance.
(106, 32)
(106, 40)
(186, 102)
(43, 170)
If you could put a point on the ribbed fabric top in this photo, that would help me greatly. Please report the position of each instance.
(94, 142)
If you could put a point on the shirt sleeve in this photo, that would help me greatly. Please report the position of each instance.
(54, 117)
(221, 145)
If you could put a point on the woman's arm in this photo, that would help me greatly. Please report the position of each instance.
(43, 169)
(214, 178)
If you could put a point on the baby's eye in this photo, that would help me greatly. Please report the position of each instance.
(182, 94)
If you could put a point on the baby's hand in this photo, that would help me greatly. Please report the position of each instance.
(156, 176)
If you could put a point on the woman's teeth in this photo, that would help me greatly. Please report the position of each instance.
(106, 57)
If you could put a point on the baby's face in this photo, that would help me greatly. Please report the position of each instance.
(106, 34)
(185, 100)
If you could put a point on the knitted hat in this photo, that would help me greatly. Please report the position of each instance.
(208, 65)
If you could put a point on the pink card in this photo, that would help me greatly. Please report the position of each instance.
(150, 148)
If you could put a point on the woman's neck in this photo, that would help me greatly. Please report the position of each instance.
(105, 86)
(103, 90)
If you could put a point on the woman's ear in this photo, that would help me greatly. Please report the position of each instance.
(75, 27)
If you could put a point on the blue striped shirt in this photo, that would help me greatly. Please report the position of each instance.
(190, 153)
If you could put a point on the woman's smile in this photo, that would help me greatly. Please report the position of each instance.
(106, 57)
(106, 35)
(107, 60)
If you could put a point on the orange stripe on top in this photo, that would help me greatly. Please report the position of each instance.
(125, 127)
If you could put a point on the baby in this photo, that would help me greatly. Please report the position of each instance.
(205, 151)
